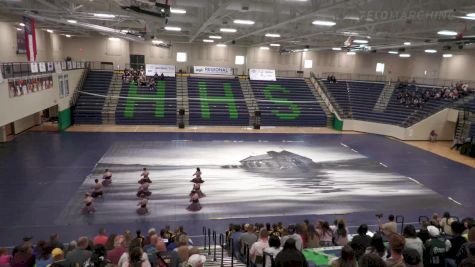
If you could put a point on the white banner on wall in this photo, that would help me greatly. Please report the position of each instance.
(262, 74)
(212, 70)
(57, 67)
(42, 66)
(167, 70)
(50, 66)
(34, 67)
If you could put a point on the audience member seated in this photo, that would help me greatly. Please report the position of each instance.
(312, 237)
(196, 260)
(257, 249)
(183, 249)
(412, 241)
(136, 258)
(119, 248)
(125, 258)
(101, 238)
(463, 251)
(291, 234)
(412, 258)
(347, 258)
(361, 241)
(325, 234)
(341, 234)
(4, 257)
(54, 242)
(445, 223)
(98, 257)
(396, 243)
(169, 257)
(290, 256)
(247, 238)
(43, 254)
(24, 257)
(470, 260)
(58, 259)
(79, 255)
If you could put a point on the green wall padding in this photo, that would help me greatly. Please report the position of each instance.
(337, 124)
(64, 119)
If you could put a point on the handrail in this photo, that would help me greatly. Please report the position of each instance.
(221, 241)
(214, 240)
(326, 96)
(355, 76)
(246, 251)
(204, 235)
(264, 259)
(400, 219)
(80, 84)
(421, 218)
(209, 241)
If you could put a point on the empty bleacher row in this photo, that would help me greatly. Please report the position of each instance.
(287, 102)
(357, 100)
(143, 105)
(88, 109)
(216, 101)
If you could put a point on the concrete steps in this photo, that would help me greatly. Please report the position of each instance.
(112, 98)
(251, 102)
(320, 101)
(182, 98)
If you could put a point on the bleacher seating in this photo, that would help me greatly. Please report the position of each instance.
(216, 101)
(88, 109)
(357, 100)
(134, 107)
(279, 103)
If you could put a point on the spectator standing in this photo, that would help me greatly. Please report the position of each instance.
(79, 255)
(257, 249)
(325, 234)
(388, 228)
(456, 242)
(119, 248)
(292, 235)
(101, 238)
(249, 237)
(290, 256)
(412, 241)
(273, 249)
(347, 258)
(396, 243)
(435, 248)
(341, 234)
(361, 241)
(377, 246)
(313, 240)
(371, 260)
(445, 223)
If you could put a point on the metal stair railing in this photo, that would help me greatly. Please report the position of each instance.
(79, 86)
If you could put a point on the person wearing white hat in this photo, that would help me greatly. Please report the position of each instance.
(196, 260)
(435, 249)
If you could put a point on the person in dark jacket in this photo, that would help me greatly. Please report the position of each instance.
(290, 256)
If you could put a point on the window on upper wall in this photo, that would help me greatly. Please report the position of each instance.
(307, 64)
(239, 60)
(181, 57)
(380, 68)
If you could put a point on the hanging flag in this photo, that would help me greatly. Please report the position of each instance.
(30, 38)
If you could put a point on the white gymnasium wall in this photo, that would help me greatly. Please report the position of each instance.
(16, 108)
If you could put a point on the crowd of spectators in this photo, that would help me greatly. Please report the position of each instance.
(441, 242)
(139, 78)
(417, 97)
(156, 249)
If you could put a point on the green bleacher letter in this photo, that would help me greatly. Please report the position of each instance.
(158, 99)
(206, 100)
(294, 108)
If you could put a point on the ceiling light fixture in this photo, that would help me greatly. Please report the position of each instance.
(324, 23)
(101, 15)
(405, 55)
(114, 39)
(273, 35)
(264, 47)
(18, 29)
(208, 41)
(50, 31)
(447, 55)
(430, 51)
(407, 43)
(72, 21)
(393, 52)
(157, 42)
(221, 45)
(447, 33)
(227, 30)
(22, 24)
(360, 41)
(336, 48)
(177, 11)
(173, 29)
(274, 44)
(68, 35)
(351, 53)
(243, 21)
(215, 37)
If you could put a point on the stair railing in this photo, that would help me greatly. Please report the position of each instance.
(231, 246)
(222, 242)
(246, 251)
(79, 86)
(214, 240)
(400, 219)
(264, 259)
(209, 241)
(204, 236)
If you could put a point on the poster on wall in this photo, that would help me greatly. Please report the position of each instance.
(69, 65)
(212, 70)
(23, 86)
(262, 74)
(167, 70)
(20, 42)
(50, 66)
(42, 66)
(34, 67)
(66, 85)
(57, 67)
(61, 86)
(63, 65)
(74, 65)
